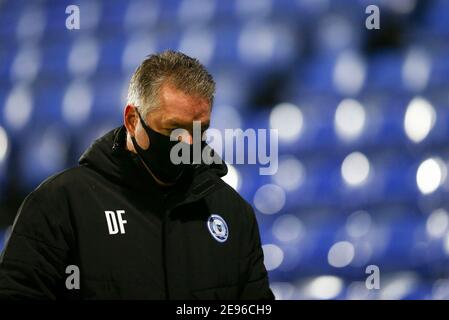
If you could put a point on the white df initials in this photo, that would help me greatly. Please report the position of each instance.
(115, 221)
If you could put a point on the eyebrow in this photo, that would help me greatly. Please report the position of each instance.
(180, 124)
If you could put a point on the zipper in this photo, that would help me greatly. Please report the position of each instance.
(167, 210)
(164, 246)
(164, 255)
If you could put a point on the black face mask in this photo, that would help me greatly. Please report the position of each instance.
(157, 156)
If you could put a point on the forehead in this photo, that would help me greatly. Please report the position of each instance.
(175, 104)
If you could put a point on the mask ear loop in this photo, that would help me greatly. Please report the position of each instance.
(141, 119)
(138, 148)
(136, 145)
(133, 138)
(144, 125)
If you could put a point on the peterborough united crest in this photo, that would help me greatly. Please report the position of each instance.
(218, 228)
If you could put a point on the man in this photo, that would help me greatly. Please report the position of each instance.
(130, 223)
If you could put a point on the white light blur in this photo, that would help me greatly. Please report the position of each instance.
(288, 120)
(440, 289)
(273, 256)
(335, 33)
(196, 11)
(419, 119)
(416, 69)
(26, 64)
(324, 287)
(283, 290)
(269, 199)
(398, 287)
(341, 254)
(31, 23)
(141, 13)
(90, 13)
(446, 243)
(288, 228)
(232, 177)
(124, 94)
(358, 291)
(349, 73)
(363, 252)
(355, 169)
(229, 91)
(401, 6)
(358, 224)
(226, 117)
(18, 107)
(136, 49)
(437, 223)
(4, 145)
(7, 234)
(77, 103)
(314, 5)
(260, 8)
(256, 43)
(83, 57)
(430, 175)
(349, 119)
(198, 43)
(52, 150)
(291, 174)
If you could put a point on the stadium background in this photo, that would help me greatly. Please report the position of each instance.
(361, 115)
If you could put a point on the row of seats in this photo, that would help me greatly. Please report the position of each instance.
(330, 178)
(313, 123)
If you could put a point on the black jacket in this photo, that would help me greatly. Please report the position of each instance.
(163, 249)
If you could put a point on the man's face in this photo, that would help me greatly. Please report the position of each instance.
(176, 110)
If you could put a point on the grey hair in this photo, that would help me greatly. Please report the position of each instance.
(185, 73)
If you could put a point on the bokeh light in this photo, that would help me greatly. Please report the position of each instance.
(291, 174)
(324, 287)
(430, 175)
(349, 119)
(288, 228)
(355, 169)
(269, 199)
(341, 254)
(288, 120)
(419, 119)
(273, 256)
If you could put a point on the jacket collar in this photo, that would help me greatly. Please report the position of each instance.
(109, 156)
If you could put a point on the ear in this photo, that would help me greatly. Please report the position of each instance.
(130, 119)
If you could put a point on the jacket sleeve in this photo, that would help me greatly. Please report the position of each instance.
(255, 285)
(32, 265)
